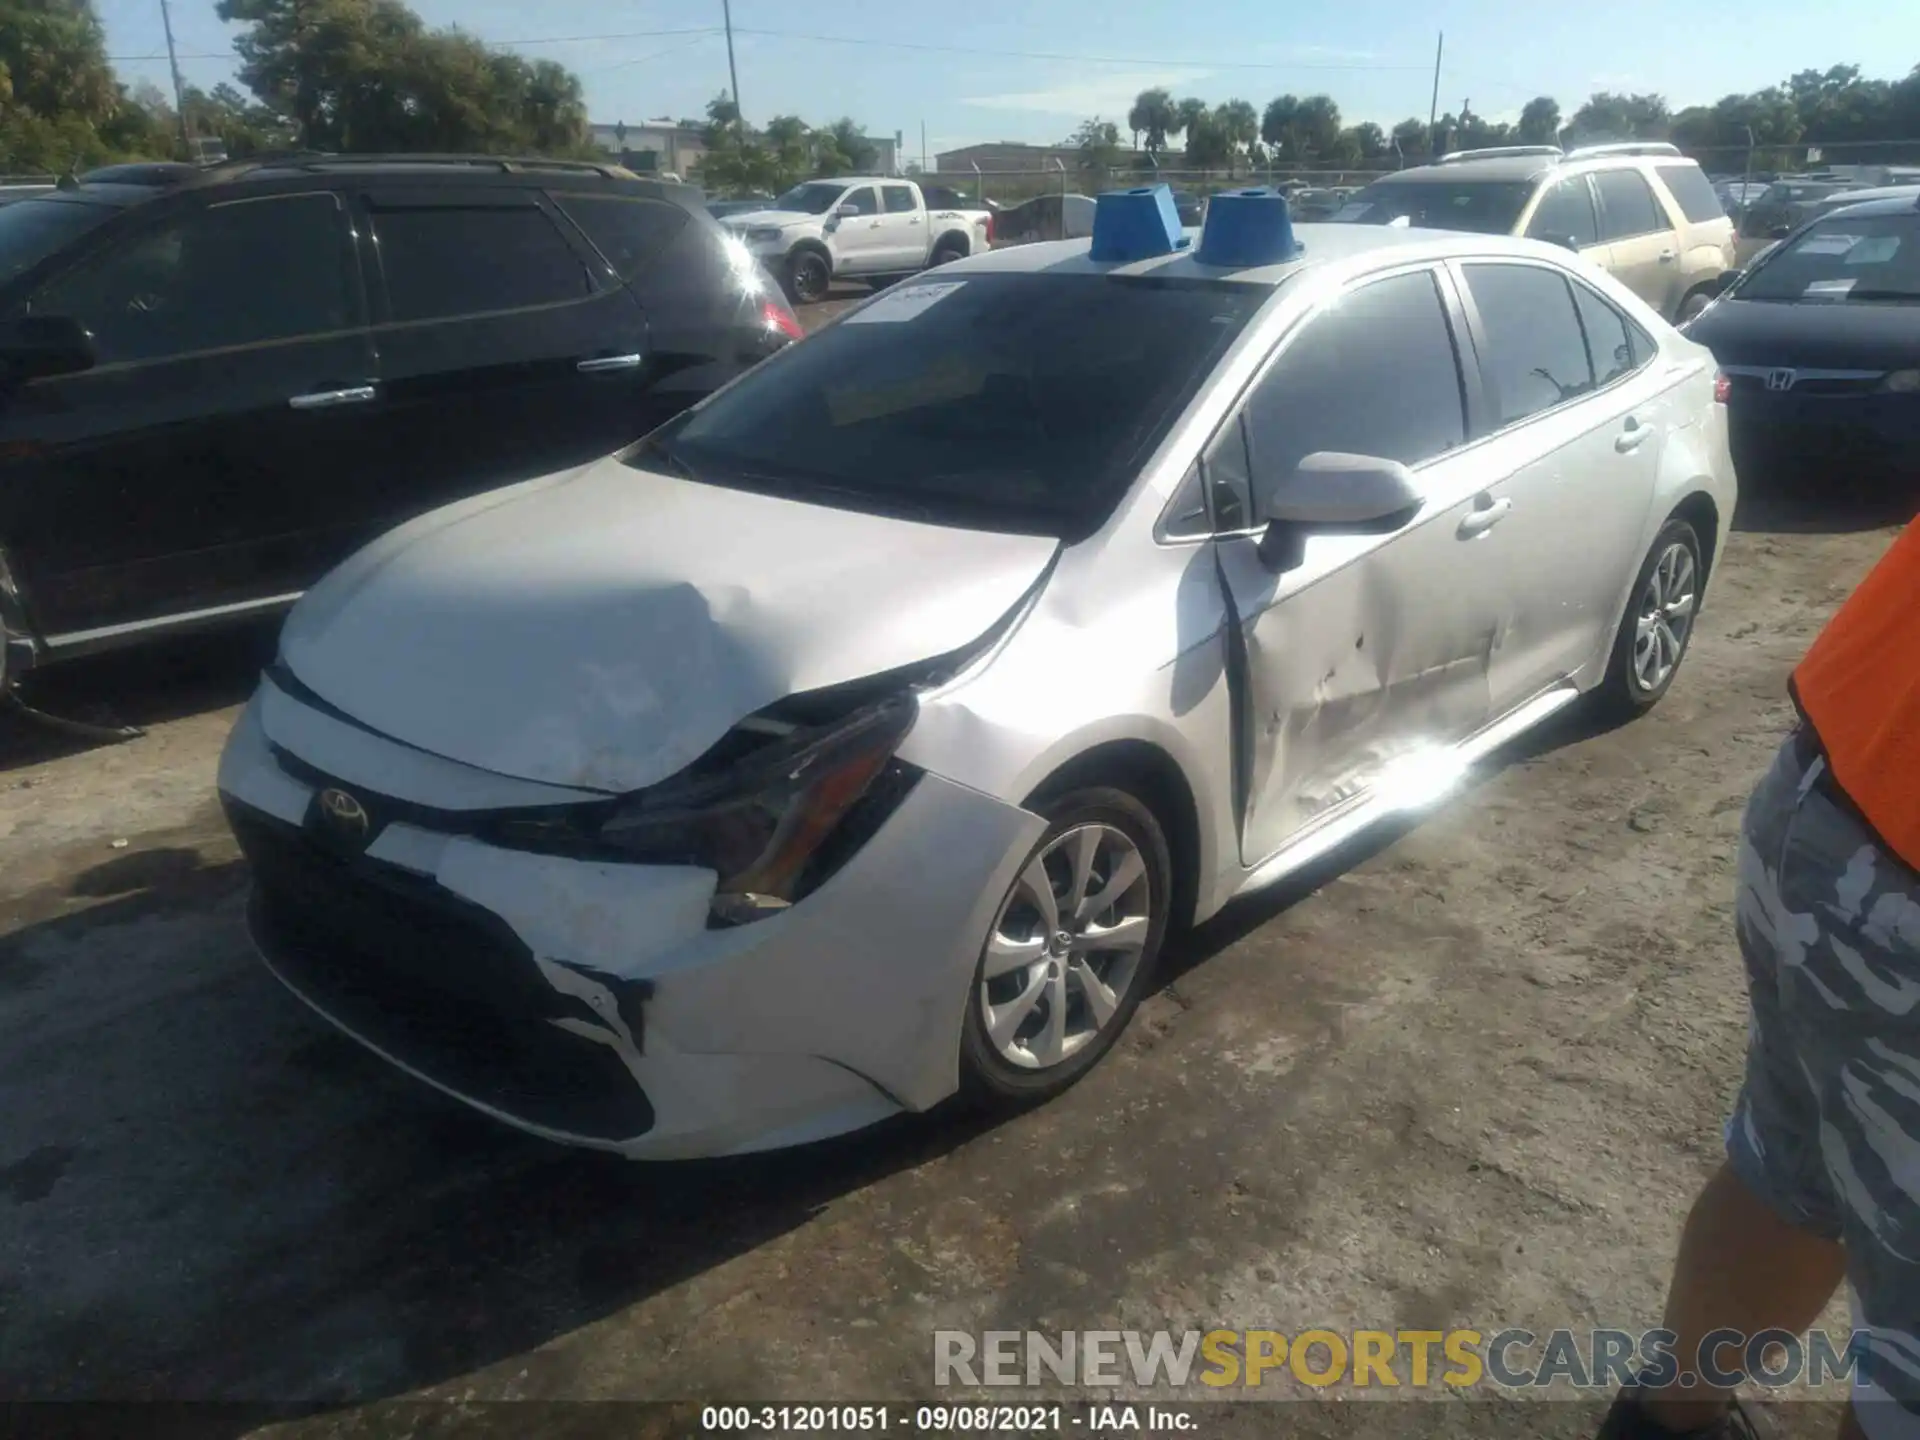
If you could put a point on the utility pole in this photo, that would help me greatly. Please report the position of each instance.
(740, 116)
(923, 147)
(179, 91)
(1433, 110)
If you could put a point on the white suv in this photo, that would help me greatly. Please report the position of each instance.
(1641, 211)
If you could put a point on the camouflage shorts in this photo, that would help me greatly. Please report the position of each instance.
(1827, 1126)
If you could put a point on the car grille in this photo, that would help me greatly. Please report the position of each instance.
(434, 981)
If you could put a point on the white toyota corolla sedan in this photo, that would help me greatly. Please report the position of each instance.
(855, 738)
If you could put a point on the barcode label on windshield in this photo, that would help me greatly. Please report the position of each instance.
(903, 304)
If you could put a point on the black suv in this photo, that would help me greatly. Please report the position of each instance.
(215, 383)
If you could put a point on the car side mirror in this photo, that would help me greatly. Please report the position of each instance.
(1779, 232)
(845, 212)
(38, 347)
(1725, 281)
(1337, 493)
(1568, 242)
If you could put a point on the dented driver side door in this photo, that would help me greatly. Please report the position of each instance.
(1373, 648)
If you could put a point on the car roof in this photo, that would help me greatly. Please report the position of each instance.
(861, 180)
(1320, 245)
(1886, 200)
(1494, 167)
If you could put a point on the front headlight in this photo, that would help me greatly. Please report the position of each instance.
(764, 235)
(763, 823)
(1901, 382)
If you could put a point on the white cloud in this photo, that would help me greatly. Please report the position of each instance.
(1109, 96)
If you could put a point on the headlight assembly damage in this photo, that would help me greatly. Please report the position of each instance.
(764, 825)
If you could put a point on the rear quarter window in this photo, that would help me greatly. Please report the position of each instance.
(628, 230)
(1693, 191)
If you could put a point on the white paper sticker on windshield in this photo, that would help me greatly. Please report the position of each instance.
(903, 304)
(1828, 244)
(1874, 250)
(1834, 289)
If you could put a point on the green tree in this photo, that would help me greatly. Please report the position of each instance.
(1239, 125)
(1607, 116)
(1153, 115)
(1368, 140)
(1414, 142)
(1208, 147)
(1097, 142)
(1539, 121)
(62, 105)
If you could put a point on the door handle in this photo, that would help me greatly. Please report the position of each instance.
(329, 399)
(600, 364)
(1666, 257)
(1631, 438)
(914, 221)
(1484, 517)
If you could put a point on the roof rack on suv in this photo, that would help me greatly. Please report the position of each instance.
(1624, 147)
(325, 160)
(1496, 152)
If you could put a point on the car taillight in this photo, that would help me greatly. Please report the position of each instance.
(776, 316)
(1722, 387)
(989, 227)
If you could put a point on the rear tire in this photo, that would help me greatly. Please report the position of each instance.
(946, 252)
(1658, 625)
(1692, 305)
(1057, 981)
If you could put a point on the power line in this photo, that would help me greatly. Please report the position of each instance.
(1074, 59)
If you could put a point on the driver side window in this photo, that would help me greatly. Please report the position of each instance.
(1375, 374)
(1566, 213)
(240, 273)
(862, 200)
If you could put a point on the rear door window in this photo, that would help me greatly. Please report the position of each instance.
(442, 261)
(1536, 353)
(1627, 206)
(1692, 190)
(628, 230)
(1610, 344)
(1566, 213)
(899, 199)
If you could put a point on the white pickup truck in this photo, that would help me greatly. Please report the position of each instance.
(862, 227)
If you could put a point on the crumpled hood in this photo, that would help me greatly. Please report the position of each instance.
(603, 628)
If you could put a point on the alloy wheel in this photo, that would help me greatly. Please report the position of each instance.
(1066, 947)
(1664, 617)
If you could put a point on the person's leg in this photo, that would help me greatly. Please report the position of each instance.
(1743, 1267)
(1759, 1248)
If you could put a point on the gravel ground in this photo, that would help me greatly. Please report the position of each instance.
(1470, 1075)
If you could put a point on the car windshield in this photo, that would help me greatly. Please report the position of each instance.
(1843, 259)
(1013, 402)
(31, 230)
(1485, 207)
(810, 199)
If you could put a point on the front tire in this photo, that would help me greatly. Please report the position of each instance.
(1658, 624)
(1071, 950)
(807, 277)
(1691, 306)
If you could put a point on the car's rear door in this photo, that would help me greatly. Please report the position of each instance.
(1643, 248)
(202, 463)
(507, 348)
(1372, 648)
(903, 228)
(1576, 420)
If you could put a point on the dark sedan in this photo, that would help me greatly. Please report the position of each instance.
(1819, 348)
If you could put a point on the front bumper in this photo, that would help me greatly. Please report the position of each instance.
(1860, 438)
(588, 1002)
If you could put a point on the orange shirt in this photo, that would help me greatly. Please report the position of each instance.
(1859, 687)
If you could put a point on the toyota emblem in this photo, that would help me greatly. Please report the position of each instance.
(346, 815)
(1781, 379)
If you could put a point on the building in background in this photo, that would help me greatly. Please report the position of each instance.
(651, 147)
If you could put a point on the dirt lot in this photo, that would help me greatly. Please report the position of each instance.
(1469, 1078)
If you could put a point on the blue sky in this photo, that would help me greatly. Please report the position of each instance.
(1033, 69)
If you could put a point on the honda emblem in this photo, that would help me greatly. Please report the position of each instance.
(1781, 379)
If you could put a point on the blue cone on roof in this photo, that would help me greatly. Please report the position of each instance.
(1136, 224)
(1246, 228)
